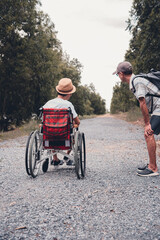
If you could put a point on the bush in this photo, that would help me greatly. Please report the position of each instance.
(134, 114)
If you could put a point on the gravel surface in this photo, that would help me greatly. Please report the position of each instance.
(112, 202)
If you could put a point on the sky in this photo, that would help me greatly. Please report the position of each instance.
(94, 32)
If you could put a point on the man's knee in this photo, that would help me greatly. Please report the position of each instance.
(149, 137)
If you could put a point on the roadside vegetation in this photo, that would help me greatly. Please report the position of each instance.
(133, 116)
(143, 24)
(27, 127)
(32, 62)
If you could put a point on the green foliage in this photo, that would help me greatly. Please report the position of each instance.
(134, 114)
(32, 63)
(87, 101)
(97, 103)
(122, 99)
(144, 25)
(144, 49)
(29, 54)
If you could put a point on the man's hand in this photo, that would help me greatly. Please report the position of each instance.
(148, 130)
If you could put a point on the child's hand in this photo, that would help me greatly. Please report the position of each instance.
(75, 125)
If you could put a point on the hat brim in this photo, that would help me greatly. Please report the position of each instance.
(66, 92)
(114, 73)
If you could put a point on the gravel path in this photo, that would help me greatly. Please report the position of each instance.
(112, 202)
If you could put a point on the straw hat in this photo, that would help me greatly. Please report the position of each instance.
(65, 86)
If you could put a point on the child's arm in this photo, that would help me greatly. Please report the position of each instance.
(76, 121)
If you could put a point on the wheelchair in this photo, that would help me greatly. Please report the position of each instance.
(56, 135)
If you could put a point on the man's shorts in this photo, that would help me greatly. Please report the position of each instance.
(155, 124)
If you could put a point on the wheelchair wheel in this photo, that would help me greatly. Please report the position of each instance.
(34, 154)
(80, 155)
(83, 155)
(27, 154)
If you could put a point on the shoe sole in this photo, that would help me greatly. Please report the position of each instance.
(148, 175)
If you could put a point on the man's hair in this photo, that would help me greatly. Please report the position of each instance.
(63, 95)
(128, 72)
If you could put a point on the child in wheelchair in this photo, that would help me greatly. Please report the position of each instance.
(65, 89)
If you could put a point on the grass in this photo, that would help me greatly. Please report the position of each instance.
(87, 116)
(133, 115)
(26, 128)
(20, 131)
(30, 126)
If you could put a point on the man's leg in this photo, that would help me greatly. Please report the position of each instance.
(151, 146)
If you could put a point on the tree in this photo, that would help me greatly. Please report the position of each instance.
(122, 99)
(44, 56)
(32, 63)
(29, 55)
(144, 25)
(144, 48)
(14, 22)
(97, 103)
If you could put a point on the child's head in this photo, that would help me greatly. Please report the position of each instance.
(65, 87)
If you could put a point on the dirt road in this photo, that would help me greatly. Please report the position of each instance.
(112, 202)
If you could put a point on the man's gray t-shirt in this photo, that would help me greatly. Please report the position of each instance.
(143, 87)
(60, 103)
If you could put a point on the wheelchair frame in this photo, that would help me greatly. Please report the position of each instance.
(36, 154)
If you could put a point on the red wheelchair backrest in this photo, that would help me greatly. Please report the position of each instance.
(57, 124)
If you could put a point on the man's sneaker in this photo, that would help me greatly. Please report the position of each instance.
(142, 168)
(69, 163)
(147, 173)
(57, 163)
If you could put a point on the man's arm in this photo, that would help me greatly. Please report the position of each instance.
(147, 130)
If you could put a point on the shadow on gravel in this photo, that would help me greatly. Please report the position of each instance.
(57, 173)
